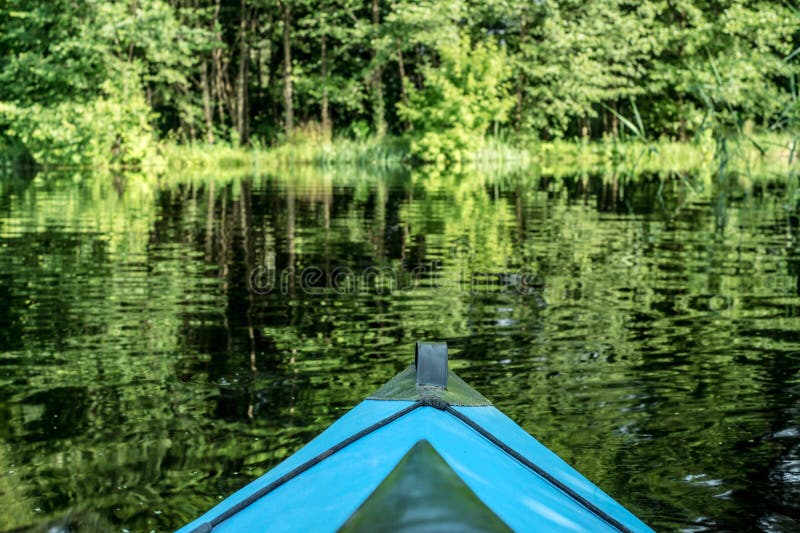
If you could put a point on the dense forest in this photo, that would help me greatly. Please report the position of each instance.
(89, 79)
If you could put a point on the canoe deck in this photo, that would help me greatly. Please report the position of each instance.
(524, 484)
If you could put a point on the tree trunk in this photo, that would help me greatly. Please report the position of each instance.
(523, 30)
(288, 107)
(242, 116)
(267, 108)
(189, 120)
(208, 112)
(402, 71)
(682, 128)
(219, 68)
(219, 84)
(259, 74)
(326, 119)
(615, 121)
(378, 111)
(403, 90)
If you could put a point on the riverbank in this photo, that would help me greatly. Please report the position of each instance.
(749, 156)
(752, 157)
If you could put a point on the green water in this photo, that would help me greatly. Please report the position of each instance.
(648, 332)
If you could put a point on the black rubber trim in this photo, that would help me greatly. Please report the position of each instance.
(540, 471)
(432, 401)
(207, 527)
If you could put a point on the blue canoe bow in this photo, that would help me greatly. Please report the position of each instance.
(426, 452)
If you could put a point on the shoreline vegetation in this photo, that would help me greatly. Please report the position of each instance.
(774, 154)
(751, 157)
(152, 85)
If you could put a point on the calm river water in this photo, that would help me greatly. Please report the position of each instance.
(164, 342)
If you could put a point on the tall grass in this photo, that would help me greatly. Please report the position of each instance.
(712, 153)
(371, 152)
(766, 155)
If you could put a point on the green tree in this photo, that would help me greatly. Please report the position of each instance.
(229, 70)
(85, 85)
(460, 99)
(65, 95)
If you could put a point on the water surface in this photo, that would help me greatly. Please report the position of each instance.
(163, 342)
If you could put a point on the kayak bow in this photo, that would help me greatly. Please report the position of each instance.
(425, 452)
